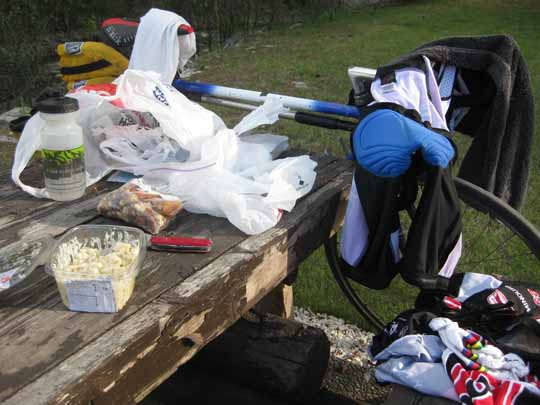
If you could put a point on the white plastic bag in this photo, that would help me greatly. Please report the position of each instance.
(266, 114)
(188, 123)
(239, 180)
(275, 144)
(190, 154)
(100, 111)
(28, 144)
(252, 200)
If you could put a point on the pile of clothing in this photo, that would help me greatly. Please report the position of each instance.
(89, 62)
(165, 43)
(477, 344)
(100, 60)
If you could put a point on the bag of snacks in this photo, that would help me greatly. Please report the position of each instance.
(139, 205)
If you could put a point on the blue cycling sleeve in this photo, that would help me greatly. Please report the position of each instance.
(385, 141)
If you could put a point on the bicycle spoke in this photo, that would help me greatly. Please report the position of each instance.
(499, 246)
(477, 237)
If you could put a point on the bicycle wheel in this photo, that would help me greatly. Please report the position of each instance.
(497, 240)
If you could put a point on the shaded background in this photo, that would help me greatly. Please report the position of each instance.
(30, 30)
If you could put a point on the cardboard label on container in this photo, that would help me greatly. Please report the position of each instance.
(90, 295)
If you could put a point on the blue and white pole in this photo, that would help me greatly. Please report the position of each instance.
(256, 97)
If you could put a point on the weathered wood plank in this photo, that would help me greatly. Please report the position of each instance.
(6, 190)
(127, 362)
(39, 292)
(7, 187)
(17, 302)
(21, 316)
(52, 227)
(21, 207)
(56, 341)
(32, 175)
(51, 222)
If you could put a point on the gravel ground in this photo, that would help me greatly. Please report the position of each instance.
(350, 372)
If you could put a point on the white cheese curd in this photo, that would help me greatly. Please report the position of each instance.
(111, 258)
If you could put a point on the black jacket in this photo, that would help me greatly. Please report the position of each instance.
(502, 119)
(433, 232)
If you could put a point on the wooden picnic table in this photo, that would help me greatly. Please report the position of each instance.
(180, 303)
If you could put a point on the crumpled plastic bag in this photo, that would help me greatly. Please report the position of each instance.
(181, 119)
(252, 200)
(199, 159)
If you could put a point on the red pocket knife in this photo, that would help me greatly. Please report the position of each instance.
(178, 244)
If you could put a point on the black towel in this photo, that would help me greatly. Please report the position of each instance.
(503, 126)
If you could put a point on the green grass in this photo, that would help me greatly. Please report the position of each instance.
(319, 53)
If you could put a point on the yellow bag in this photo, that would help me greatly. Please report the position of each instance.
(89, 60)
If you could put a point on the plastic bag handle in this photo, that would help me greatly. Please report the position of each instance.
(28, 144)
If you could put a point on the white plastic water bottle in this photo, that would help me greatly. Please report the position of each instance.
(62, 148)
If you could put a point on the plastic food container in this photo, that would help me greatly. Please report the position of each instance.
(96, 290)
(95, 266)
(20, 259)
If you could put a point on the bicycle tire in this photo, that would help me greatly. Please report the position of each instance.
(473, 196)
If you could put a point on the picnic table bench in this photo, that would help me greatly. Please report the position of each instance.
(181, 302)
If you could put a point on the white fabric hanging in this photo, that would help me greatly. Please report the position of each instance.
(414, 89)
(158, 47)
